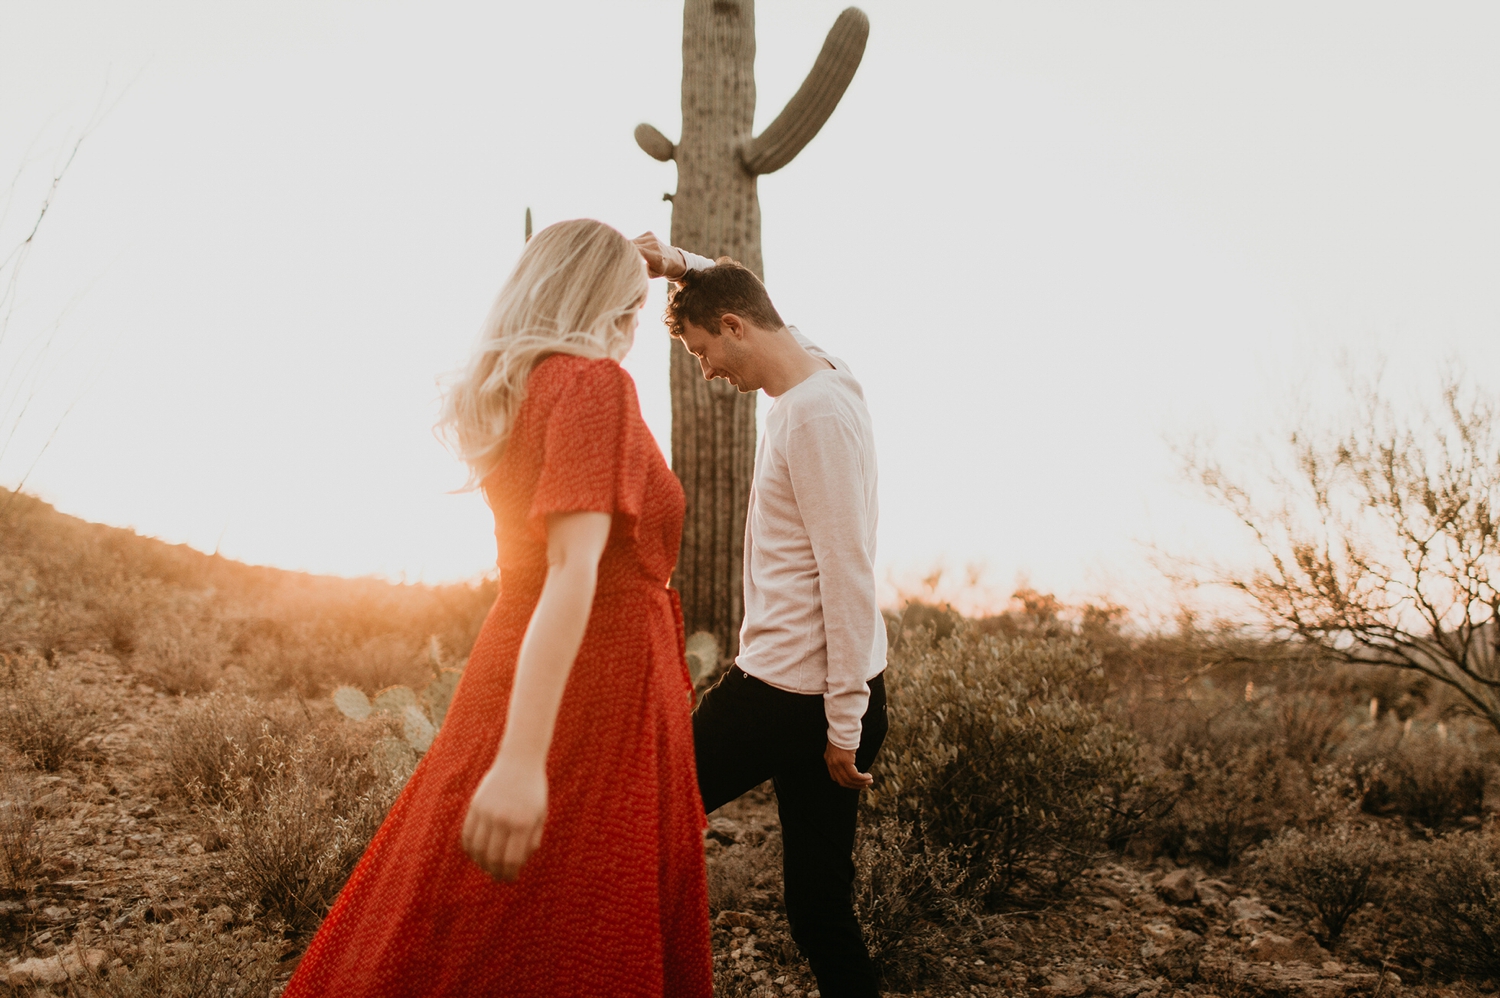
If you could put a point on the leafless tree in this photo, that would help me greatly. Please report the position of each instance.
(1381, 542)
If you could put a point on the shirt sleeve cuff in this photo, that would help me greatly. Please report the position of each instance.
(694, 261)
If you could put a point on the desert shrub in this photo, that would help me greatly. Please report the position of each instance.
(291, 851)
(1236, 783)
(202, 964)
(1329, 873)
(41, 718)
(1431, 778)
(993, 756)
(1451, 899)
(913, 900)
(20, 839)
(740, 876)
(295, 796)
(1452, 904)
(225, 747)
(181, 655)
(1232, 797)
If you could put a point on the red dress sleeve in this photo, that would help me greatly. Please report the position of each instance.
(590, 451)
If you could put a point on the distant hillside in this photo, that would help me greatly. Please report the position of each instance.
(187, 620)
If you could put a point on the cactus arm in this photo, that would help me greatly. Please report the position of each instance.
(813, 102)
(655, 144)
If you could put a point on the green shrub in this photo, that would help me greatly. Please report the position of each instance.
(743, 875)
(1452, 901)
(1330, 873)
(994, 757)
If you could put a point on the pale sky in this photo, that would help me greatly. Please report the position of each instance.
(1049, 238)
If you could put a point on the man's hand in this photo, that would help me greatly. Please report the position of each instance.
(843, 770)
(662, 259)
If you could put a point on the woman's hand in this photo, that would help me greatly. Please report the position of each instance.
(506, 814)
(662, 259)
(504, 824)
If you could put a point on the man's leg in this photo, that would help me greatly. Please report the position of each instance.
(817, 830)
(734, 738)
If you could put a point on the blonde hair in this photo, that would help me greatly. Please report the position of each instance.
(573, 291)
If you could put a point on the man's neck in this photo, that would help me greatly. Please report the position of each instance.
(788, 364)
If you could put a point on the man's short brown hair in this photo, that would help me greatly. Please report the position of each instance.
(703, 297)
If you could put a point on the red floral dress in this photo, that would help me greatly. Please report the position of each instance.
(614, 903)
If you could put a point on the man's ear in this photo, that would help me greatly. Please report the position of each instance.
(732, 325)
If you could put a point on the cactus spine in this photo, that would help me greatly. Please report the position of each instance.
(716, 212)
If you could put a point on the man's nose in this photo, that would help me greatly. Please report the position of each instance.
(708, 369)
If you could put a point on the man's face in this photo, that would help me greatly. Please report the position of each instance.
(724, 355)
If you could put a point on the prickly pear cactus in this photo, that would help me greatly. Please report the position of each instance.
(702, 655)
(421, 714)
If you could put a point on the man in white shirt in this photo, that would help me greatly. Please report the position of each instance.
(804, 703)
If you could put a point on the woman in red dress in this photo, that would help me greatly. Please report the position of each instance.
(550, 842)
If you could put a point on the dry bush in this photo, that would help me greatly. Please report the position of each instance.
(223, 748)
(295, 796)
(41, 717)
(1415, 772)
(203, 964)
(20, 839)
(1451, 894)
(292, 850)
(181, 656)
(741, 876)
(1329, 873)
(914, 903)
(994, 755)
(1236, 781)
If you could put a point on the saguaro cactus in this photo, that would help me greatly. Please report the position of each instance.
(716, 212)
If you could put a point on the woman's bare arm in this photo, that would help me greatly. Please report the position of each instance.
(506, 814)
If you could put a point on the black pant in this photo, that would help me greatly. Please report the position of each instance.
(747, 732)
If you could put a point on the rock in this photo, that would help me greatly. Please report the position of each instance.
(54, 969)
(1250, 909)
(724, 830)
(1171, 952)
(1268, 947)
(1064, 986)
(1178, 887)
(220, 918)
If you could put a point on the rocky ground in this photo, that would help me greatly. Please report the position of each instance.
(1132, 930)
(123, 875)
(127, 876)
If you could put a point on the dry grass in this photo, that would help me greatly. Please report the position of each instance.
(20, 839)
(40, 715)
(195, 963)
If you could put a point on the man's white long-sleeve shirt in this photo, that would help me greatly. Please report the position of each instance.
(812, 623)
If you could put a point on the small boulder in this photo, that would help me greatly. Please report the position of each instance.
(220, 918)
(53, 969)
(725, 830)
(1268, 947)
(1178, 887)
(1171, 952)
(1064, 986)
